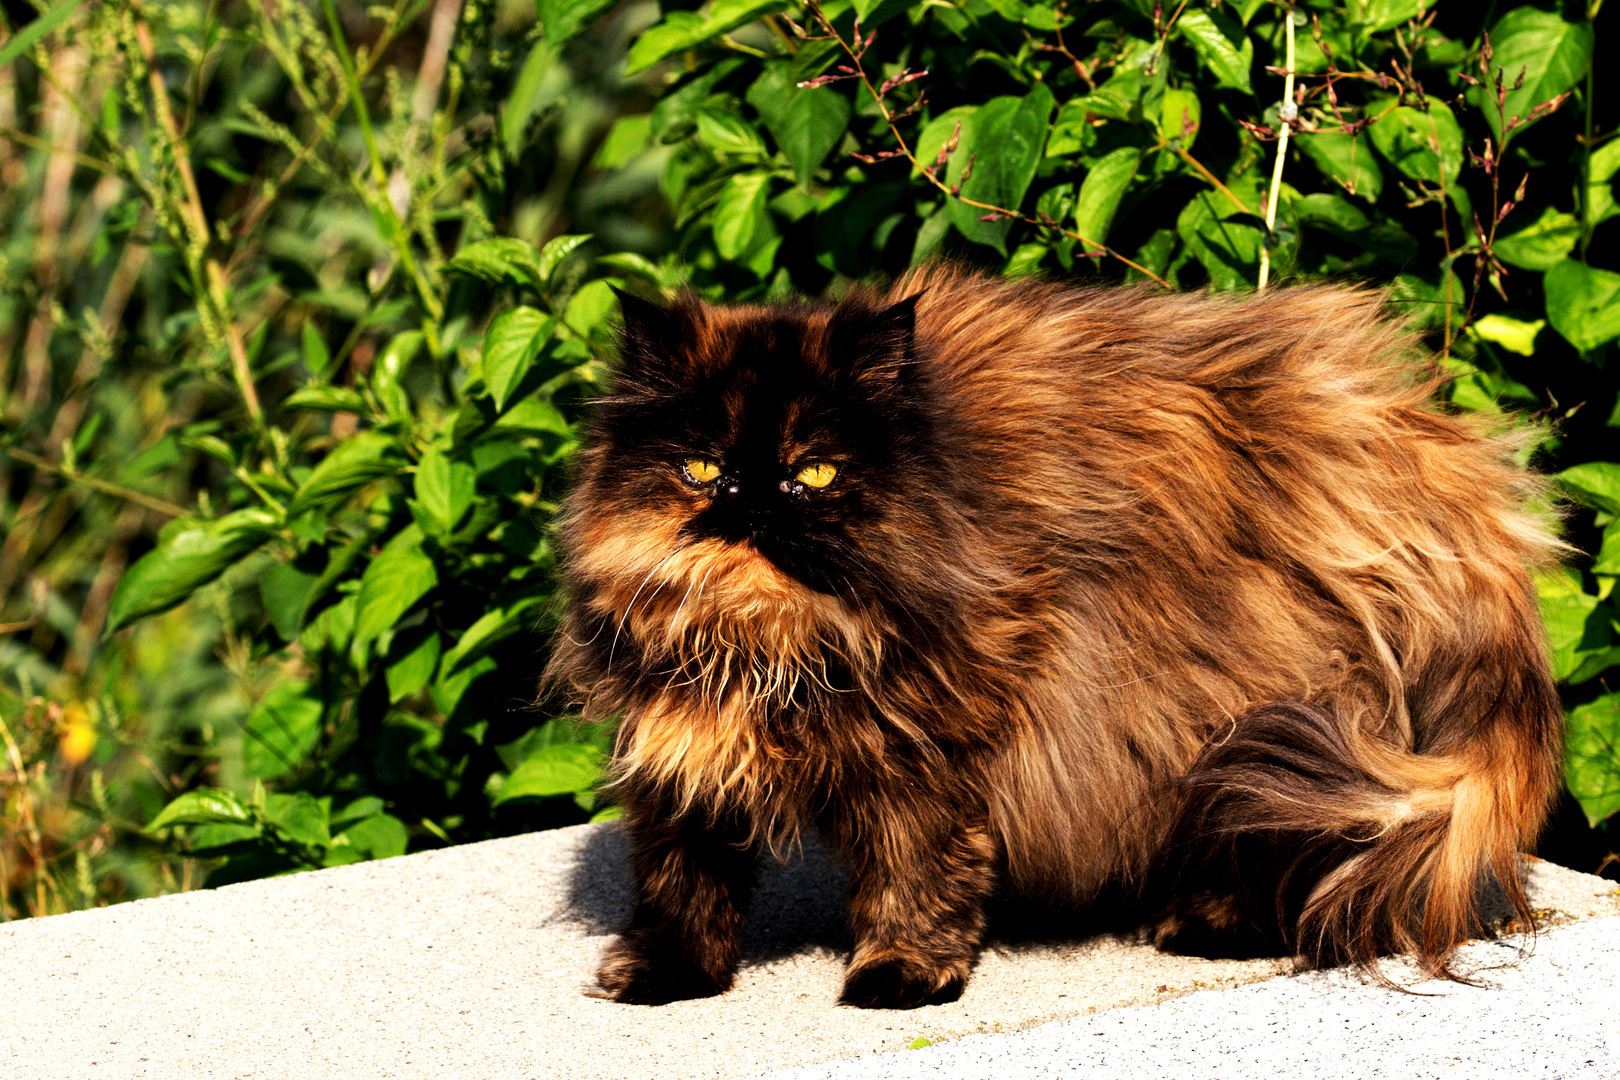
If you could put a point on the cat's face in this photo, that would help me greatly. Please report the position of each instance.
(787, 435)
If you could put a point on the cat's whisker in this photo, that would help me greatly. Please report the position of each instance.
(632, 604)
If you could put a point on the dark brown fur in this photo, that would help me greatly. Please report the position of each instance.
(1114, 588)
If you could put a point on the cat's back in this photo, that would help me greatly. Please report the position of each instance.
(1197, 419)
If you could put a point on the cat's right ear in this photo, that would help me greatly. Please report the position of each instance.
(651, 336)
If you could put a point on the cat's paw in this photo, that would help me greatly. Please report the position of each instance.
(902, 984)
(636, 975)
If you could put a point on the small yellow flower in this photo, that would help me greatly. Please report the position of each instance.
(76, 733)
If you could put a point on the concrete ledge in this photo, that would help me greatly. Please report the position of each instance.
(473, 961)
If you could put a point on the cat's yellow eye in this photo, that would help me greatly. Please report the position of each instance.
(818, 475)
(701, 470)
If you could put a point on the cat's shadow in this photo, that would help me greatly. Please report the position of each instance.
(799, 904)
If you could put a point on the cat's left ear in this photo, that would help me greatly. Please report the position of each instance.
(878, 345)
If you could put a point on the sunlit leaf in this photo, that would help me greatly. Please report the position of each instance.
(1105, 185)
(1592, 757)
(1221, 44)
(1551, 56)
(501, 261)
(511, 346)
(395, 580)
(189, 559)
(738, 213)
(1583, 303)
(1542, 245)
(351, 464)
(204, 806)
(1422, 145)
(558, 769)
(281, 730)
(1007, 137)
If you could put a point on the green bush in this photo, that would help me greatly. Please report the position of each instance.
(301, 307)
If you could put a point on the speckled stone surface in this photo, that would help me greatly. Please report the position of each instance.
(474, 961)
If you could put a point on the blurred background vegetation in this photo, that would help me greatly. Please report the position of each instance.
(301, 300)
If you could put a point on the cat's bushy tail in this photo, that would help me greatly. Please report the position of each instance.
(1374, 847)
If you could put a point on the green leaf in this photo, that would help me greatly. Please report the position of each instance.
(806, 123)
(558, 769)
(1339, 217)
(388, 373)
(363, 807)
(1375, 15)
(325, 399)
(1600, 205)
(317, 357)
(1180, 116)
(627, 138)
(204, 806)
(299, 817)
(381, 836)
(1422, 145)
(1595, 484)
(540, 83)
(351, 464)
(738, 213)
(1514, 335)
(1221, 44)
(1104, 187)
(1583, 303)
(1007, 138)
(534, 414)
(285, 592)
(1229, 250)
(1345, 159)
(280, 731)
(589, 309)
(444, 489)
(490, 628)
(1577, 624)
(562, 19)
(23, 40)
(681, 30)
(1608, 557)
(188, 559)
(1429, 305)
(1552, 56)
(556, 250)
(1543, 245)
(938, 131)
(413, 669)
(501, 261)
(729, 135)
(449, 688)
(1592, 757)
(395, 580)
(511, 346)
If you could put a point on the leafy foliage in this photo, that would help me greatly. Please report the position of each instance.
(299, 308)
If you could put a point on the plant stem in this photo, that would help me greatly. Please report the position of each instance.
(103, 486)
(1282, 155)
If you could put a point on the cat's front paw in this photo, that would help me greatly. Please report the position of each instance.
(902, 984)
(638, 974)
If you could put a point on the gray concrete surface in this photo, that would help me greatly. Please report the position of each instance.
(1555, 1015)
(474, 962)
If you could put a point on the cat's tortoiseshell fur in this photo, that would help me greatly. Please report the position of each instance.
(1112, 589)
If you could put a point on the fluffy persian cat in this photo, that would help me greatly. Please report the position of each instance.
(1195, 600)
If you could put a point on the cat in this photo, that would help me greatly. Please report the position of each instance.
(1080, 590)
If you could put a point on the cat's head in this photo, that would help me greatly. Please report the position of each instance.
(752, 478)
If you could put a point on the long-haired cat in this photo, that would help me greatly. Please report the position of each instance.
(1075, 589)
